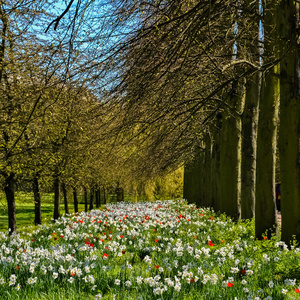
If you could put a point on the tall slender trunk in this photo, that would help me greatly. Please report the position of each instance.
(120, 193)
(265, 207)
(97, 194)
(37, 201)
(207, 185)
(9, 189)
(249, 147)
(91, 199)
(250, 114)
(289, 134)
(193, 179)
(64, 190)
(104, 195)
(230, 156)
(75, 198)
(215, 175)
(56, 198)
(85, 199)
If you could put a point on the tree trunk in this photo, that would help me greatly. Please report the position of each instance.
(97, 194)
(120, 193)
(85, 200)
(37, 201)
(215, 130)
(265, 207)
(56, 198)
(193, 179)
(75, 200)
(9, 189)
(104, 195)
(64, 190)
(289, 134)
(230, 157)
(249, 147)
(91, 199)
(207, 186)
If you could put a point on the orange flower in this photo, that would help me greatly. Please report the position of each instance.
(156, 240)
(229, 284)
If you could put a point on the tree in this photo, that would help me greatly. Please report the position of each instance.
(265, 209)
(288, 14)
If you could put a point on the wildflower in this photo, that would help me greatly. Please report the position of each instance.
(210, 244)
(284, 291)
(117, 282)
(12, 280)
(230, 284)
(55, 275)
(139, 280)
(235, 270)
(105, 256)
(271, 284)
(71, 279)
(177, 288)
(98, 296)
(32, 280)
(18, 287)
(128, 283)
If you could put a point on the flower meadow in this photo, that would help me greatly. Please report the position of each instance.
(147, 250)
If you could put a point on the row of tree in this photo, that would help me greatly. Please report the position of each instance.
(166, 83)
(56, 133)
(202, 82)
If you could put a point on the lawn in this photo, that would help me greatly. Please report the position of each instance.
(158, 250)
(25, 209)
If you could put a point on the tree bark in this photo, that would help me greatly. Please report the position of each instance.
(9, 189)
(207, 185)
(265, 208)
(37, 201)
(119, 193)
(75, 200)
(215, 163)
(85, 200)
(91, 199)
(289, 134)
(104, 195)
(97, 195)
(193, 179)
(249, 147)
(64, 190)
(230, 157)
(56, 214)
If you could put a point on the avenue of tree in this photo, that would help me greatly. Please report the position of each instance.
(125, 91)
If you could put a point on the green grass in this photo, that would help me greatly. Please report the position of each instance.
(25, 208)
